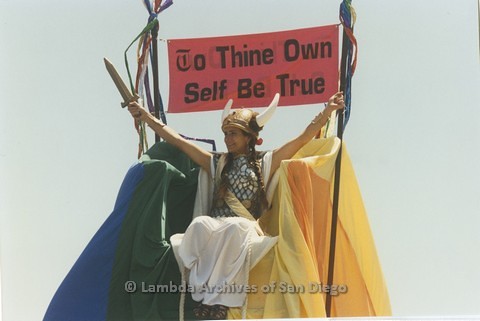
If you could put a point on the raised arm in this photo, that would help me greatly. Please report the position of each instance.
(197, 154)
(290, 148)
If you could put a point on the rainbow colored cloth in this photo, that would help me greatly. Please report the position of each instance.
(128, 270)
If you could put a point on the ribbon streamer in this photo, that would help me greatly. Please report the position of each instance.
(348, 18)
(144, 55)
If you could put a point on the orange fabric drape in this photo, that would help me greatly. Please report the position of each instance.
(290, 279)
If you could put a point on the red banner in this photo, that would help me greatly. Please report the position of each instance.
(301, 65)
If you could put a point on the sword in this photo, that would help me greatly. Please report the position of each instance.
(122, 88)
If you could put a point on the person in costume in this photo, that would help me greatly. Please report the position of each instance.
(220, 246)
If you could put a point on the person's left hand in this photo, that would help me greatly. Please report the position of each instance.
(335, 102)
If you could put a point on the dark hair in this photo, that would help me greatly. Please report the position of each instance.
(260, 204)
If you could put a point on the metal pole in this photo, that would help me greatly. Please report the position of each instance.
(156, 93)
(336, 189)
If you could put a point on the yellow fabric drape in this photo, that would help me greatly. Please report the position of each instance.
(289, 282)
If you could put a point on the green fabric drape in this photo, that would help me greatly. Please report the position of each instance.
(161, 206)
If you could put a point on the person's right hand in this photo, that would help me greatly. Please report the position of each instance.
(136, 110)
(335, 102)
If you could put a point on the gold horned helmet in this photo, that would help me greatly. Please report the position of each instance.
(242, 118)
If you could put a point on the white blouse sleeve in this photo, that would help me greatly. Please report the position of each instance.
(270, 185)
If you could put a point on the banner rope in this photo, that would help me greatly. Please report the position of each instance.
(203, 140)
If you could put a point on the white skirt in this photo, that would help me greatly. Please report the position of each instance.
(218, 254)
